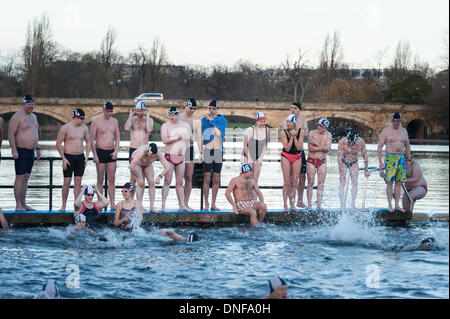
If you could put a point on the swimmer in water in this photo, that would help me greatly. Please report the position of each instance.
(278, 288)
(87, 212)
(3, 221)
(192, 237)
(49, 290)
(425, 244)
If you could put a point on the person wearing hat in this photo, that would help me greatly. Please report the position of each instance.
(105, 140)
(302, 124)
(175, 134)
(347, 158)
(319, 144)
(256, 139)
(396, 140)
(129, 212)
(291, 160)
(23, 136)
(278, 288)
(141, 168)
(213, 136)
(243, 202)
(194, 122)
(73, 159)
(87, 212)
(140, 125)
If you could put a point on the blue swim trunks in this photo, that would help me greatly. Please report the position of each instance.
(395, 166)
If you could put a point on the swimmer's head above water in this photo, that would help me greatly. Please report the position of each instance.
(193, 237)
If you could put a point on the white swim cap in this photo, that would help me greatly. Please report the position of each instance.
(140, 105)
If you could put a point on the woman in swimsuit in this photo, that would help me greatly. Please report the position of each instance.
(255, 146)
(86, 212)
(129, 212)
(291, 160)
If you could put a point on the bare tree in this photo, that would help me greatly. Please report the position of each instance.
(294, 72)
(38, 55)
(444, 56)
(107, 53)
(331, 56)
(139, 59)
(10, 63)
(157, 59)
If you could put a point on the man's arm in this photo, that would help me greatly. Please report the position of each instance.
(381, 143)
(165, 136)
(198, 135)
(93, 139)
(407, 150)
(149, 123)
(87, 140)
(61, 137)
(12, 130)
(230, 188)
(340, 150)
(117, 141)
(129, 122)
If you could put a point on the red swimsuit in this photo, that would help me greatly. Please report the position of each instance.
(317, 162)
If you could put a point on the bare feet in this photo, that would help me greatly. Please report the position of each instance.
(20, 209)
(184, 208)
(309, 208)
(153, 210)
(286, 209)
(62, 209)
(401, 210)
(214, 207)
(293, 209)
(301, 204)
(163, 208)
(29, 208)
(390, 209)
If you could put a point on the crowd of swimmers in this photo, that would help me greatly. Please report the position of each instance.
(76, 141)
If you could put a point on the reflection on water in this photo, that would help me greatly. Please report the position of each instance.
(434, 161)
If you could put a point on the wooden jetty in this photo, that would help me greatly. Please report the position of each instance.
(174, 218)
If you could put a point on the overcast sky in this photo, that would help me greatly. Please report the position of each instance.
(206, 32)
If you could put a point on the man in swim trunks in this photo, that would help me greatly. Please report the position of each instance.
(347, 157)
(140, 125)
(415, 183)
(213, 135)
(23, 135)
(243, 203)
(395, 137)
(296, 107)
(105, 139)
(141, 167)
(196, 130)
(73, 159)
(319, 144)
(175, 134)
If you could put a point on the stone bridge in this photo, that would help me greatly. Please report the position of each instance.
(368, 118)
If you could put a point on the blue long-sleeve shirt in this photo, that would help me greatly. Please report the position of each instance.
(207, 128)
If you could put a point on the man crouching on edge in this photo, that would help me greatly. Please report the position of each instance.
(242, 187)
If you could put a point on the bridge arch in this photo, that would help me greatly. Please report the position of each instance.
(339, 126)
(417, 129)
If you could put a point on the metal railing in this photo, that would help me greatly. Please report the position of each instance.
(51, 186)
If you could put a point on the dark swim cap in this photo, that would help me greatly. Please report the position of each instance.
(396, 116)
(173, 110)
(77, 113)
(429, 241)
(352, 135)
(193, 237)
(27, 99)
(153, 148)
(191, 102)
(214, 103)
(107, 106)
(298, 104)
(128, 186)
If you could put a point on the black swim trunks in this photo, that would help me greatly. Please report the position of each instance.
(212, 160)
(303, 168)
(24, 163)
(131, 153)
(76, 166)
(189, 155)
(104, 156)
